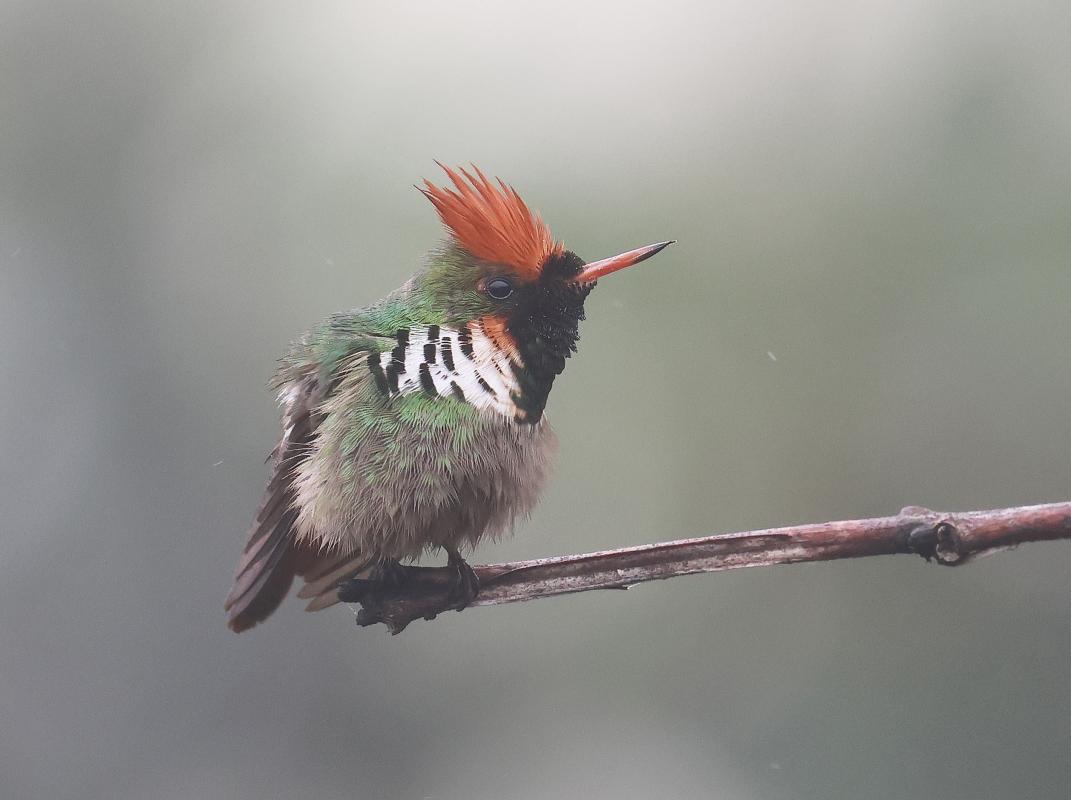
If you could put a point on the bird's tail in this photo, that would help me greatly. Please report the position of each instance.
(270, 562)
(321, 586)
(262, 584)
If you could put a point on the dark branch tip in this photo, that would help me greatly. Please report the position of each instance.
(939, 540)
(922, 539)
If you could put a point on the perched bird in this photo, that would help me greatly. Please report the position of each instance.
(417, 423)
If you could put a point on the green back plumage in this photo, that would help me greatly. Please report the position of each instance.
(443, 293)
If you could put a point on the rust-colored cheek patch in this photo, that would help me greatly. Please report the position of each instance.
(495, 327)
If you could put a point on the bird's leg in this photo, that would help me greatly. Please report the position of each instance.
(466, 583)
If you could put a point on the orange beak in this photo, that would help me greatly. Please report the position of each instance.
(596, 269)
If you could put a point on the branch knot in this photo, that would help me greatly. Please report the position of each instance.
(935, 537)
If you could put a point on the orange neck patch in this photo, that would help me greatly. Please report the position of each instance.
(492, 222)
(494, 327)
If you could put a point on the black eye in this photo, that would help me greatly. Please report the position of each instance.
(499, 288)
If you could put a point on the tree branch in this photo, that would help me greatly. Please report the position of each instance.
(948, 539)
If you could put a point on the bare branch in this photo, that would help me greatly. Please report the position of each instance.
(948, 539)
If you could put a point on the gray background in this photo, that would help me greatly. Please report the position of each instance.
(867, 307)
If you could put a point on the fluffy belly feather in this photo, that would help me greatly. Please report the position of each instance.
(419, 479)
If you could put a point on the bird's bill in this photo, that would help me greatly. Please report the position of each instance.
(596, 269)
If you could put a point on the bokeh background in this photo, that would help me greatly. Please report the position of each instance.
(868, 307)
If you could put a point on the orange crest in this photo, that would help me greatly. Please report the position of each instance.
(492, 221)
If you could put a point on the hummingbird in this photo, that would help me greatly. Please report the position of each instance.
(417, 423)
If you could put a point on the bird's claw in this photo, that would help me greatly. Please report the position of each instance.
(466, 583)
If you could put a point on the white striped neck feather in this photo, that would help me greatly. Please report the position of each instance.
(473, 363)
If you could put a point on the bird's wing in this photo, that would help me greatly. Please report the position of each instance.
(268, 562)
(306, 378)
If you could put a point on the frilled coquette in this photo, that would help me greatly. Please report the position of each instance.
(418, 423)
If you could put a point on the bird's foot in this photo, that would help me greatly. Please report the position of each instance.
(466, 584)
(396, 595)
(390, 574)
(388, 578)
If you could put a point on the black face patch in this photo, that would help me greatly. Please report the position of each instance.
(545, 323)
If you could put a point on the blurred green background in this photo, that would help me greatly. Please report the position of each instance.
(868, 307)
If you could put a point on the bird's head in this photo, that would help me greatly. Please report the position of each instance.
(503, 271)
